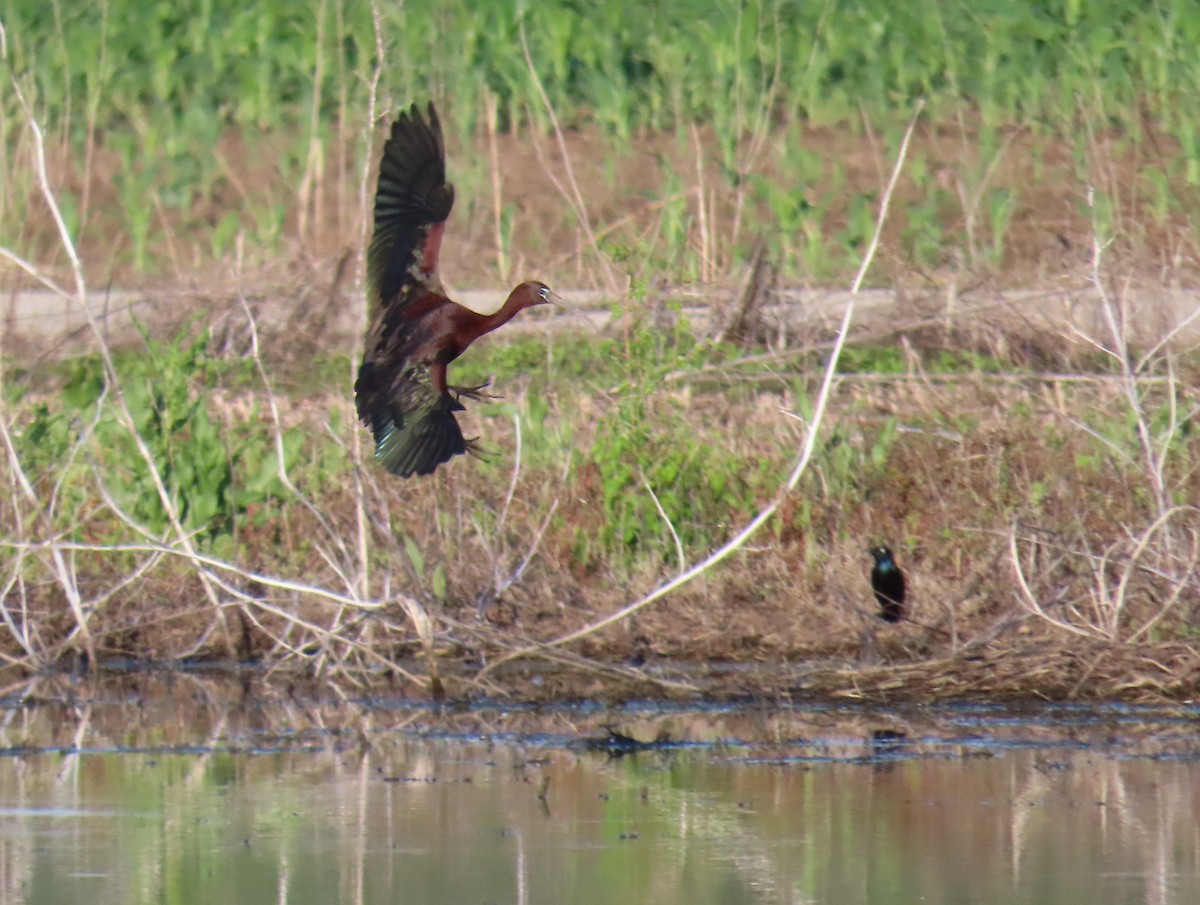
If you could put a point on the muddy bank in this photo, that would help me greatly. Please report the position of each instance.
(194, 712)
(1039, 672)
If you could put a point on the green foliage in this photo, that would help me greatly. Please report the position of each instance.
(211, 474)
(194, 64)
(699, 484)
(1118, 435)
(860, 224)
(798, 239)
(964, 361)
(434, 579)
(643, 445)
(163, 89)
(890, 359)
(570, 358)
(1000, 206)
(846, 466)
(546, 436)
(924, 233)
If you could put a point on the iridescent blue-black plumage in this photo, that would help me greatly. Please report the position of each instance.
(887, 581)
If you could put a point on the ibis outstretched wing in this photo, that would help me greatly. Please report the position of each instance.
(412, 203)
(412, 420)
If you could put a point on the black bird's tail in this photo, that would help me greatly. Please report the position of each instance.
(417, 442)
(891, 610)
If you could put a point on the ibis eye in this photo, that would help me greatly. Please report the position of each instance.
(544, 293)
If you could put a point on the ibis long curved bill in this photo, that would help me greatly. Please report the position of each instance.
(557, 300)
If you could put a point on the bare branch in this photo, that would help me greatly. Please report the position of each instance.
(801, 464)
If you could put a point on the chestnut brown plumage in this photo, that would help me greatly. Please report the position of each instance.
(401, 392)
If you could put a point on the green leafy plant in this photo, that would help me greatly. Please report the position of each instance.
(212, 474)
(649, 455)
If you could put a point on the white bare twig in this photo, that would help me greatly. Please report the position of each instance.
(1138, 564)
(63, 568)
(503, 584)
(81, 298)
(317, 592)
(801, 464)
(662, 513)
(33, 271)
(361, 519)
(1029, 600)
(516, 474)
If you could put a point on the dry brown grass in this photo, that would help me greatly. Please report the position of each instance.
(1042, 516)
(981, 459)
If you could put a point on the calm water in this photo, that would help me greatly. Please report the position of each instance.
(195, 797)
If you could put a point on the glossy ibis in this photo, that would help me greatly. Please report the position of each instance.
(887, 581)
(401, 392)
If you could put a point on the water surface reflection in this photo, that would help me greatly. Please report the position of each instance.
(496, 806)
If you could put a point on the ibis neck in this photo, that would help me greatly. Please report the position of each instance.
(478, 325)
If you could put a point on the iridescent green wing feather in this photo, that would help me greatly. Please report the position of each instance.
(412, 422)
(418, 431)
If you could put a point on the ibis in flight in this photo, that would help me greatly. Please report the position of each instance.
(416, 330)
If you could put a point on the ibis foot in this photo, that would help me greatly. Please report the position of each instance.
(475, 393)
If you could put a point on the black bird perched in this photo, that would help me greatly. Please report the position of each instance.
(887, 581)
